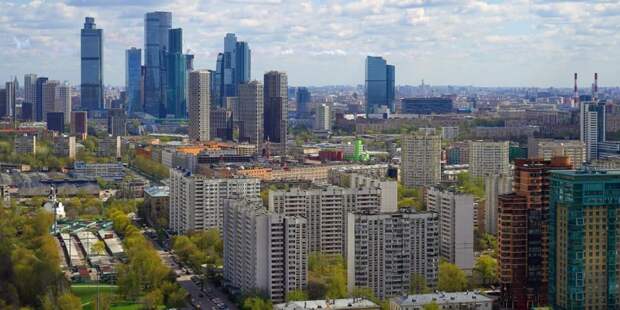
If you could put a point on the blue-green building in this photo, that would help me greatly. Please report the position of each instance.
(584, 239)
(176, 92)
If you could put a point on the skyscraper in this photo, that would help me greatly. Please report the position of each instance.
(235, 66)
(323, 118)
(592, 127)
(133, 64)
(62, 102)
(421, 160)
(242, 62)
(380, 79)
(228, 82)
(91, 66)
(303, 99)
(117, 122)
(218, 82)
(79, 124)
(3, 105)
(177, 75)
(583, 239)
(30, 89)
(49, 98)
(276, 109)
(55, 121)
(251, 113)
(38, 109)
(156, 32)
(199, 99)
(10, 93)
(523, 234)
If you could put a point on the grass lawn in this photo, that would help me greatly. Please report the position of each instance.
(88, 293)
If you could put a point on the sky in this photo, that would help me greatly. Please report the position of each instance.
(324, 42)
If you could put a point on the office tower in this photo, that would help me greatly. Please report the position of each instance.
(30, 88)
(323, 118)
(133, 68)
(384, 251)
(196, 201)
(64, 146)
(189, 62)
(25, 144)
(49, 97)
(251, 113)
(199, 105)
(494, 185)
(156, 32)
(235, 66)
(379, 90)
(3, 103)
(79, 124)
(109, 146)
(177, 75)
(10, 95)
(546, 149)
(263, 251)
(488, 158)
(324, 207)
(303, 98)
(583, 243)
(421, 160)
(221, 123)
(276, 109)
(424, 105)
(27, 111)
(456, 228)
(592, 127)
(242, 62)
(56, 121)
(523, 234)
(117, 122)
(63, 101)
(38, 108)
(91, 65)
(218, 82)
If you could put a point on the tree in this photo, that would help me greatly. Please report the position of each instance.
(431, 306)
(296, 295)
(257, 303)
(98, 248)
(471, 185)
(418, 284)
(68, 301)
(451, 278)
(486, 269)
(152, 299)
(327, 276)
(103, 302)
(364, 292)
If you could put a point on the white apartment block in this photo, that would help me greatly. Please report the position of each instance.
(196, 201)
(421, 160)
(353, 178)
(199, 103)
(325, 208)
(488, 158)
(494, 185)
(384, 250)
(546, 149)
(263, 251)
(323, 118)
(456, 225)
(444, 301)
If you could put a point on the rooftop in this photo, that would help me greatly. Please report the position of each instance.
(349, 303)
(158, 191)
(440, 298)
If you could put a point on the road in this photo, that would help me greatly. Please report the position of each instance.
(207, 299)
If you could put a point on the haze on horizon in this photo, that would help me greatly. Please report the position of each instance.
(324, 42)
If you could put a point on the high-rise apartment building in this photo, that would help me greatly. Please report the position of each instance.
(30, 88)
(420, 160)
(133, 68)
(523, 234)
(63, 101)
(49, 98)
(196, 201)
(494, 185)
(592, 127)
(199, 98)
(156, 31)
(583, 240)
(91, 93)
(176, 75)
(10, 93)
(456, 226)
(384, 251)
(303, 98)
(117, 122)
(379, 90)
(323, 118)
(546, 149)
(488, 158)
(251, 113)
(221, 123)
(275, 102)
(3, 106)
(79, 124)
(39, 113)
(263, 251)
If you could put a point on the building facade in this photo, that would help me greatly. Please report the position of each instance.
(379, 88)
(304, 99)
(176, 71)
(275, 100)
(133, 75)
(91, 93)
(420, 160)
(251, 111)
(546, 149)
(592, 127)
(488, 158)
(199, 106)
(79, 124)
(156, 31)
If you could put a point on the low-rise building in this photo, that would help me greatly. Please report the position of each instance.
(109, 147)
(156, 204)
(334, 304)
(64, 146)
(110, 171)
(458, 300)
(26, 144)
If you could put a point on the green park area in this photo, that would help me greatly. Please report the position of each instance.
(107, 297)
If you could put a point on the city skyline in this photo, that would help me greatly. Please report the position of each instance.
(522, 43)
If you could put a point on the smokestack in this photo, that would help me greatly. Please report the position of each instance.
(576, 92)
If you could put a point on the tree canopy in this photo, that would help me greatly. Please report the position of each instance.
(451, 278)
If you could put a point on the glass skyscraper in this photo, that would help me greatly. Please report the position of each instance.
(91, 66)
(156, 30)
(38, 107)
(133, 64)
(233, 68)
(242, 63)
(380, 78)
(176, 76)
(303, 102)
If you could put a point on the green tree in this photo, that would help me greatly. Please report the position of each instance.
(98, 248)
(470, 184)
(451, 278)
(67, 301)
(418, 284)
(486, 270)
(103, 302)
(431, 306)
(326, 276)
(152, 299)
(256, 303)
(364, 292)
(296, 295)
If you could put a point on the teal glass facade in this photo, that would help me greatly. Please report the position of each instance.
(583, 240)
(176, 93)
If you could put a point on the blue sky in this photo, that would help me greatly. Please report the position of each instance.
(321, 42)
